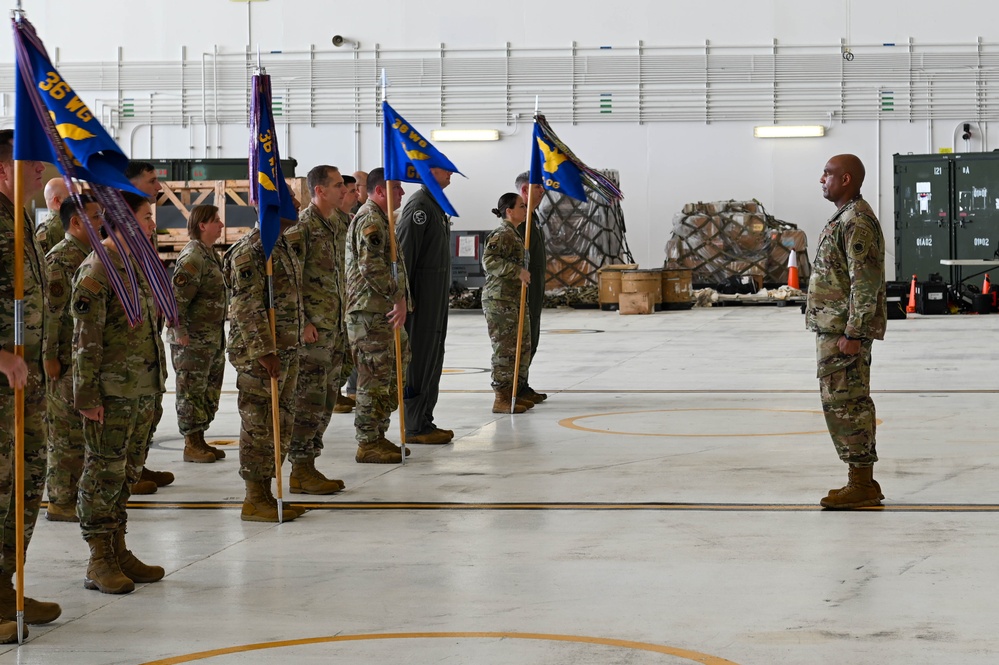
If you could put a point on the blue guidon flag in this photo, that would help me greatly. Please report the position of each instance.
(52, 124)
(270, 193)
(556, 168)
(409, 157)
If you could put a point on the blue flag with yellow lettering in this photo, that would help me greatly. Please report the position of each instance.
(271, 195)
(554, 170)
(94, 154)
(409, 157)
(554, 166)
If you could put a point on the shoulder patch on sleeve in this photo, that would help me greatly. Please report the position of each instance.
(91, 285)
(420, 217)
(242, 259)
(191, 269)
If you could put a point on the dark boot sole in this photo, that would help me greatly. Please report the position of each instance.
(866, 503)
(302, 490)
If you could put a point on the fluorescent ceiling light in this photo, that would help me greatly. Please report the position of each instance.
(789, 131)
(464, 135)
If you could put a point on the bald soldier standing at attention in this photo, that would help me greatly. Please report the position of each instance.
(847, 310)
(50, 232)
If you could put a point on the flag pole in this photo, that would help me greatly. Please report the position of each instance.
(394, 257)
(275, 393)
(19, 395)
(523, 287)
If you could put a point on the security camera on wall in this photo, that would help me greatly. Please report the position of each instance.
(340, 40)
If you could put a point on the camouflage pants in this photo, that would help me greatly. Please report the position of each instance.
(157, 408)
(256, 432)
(35, 435)
(199, 369)
(502, 321)
(372, 342)
(347, 366)
(113, 456)
(845, 388)
(65, 445)
(318, 379)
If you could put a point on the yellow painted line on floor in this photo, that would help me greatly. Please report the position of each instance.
(571, 423)
(686, 654)
(640, 506)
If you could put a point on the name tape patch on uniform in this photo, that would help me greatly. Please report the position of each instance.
(420, 217)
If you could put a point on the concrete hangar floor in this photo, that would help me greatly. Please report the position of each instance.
(660, 508)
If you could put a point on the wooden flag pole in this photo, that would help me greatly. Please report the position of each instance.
(275, 395)
(18, 493)
(523, 300)
(394, 256)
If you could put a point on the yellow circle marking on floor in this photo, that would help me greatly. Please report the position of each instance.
(692, 656)
(572, 423)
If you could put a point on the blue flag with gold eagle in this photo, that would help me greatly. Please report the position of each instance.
(271, 194)
(95, 155)
(553, 169)
(554, 166)
(409, 157)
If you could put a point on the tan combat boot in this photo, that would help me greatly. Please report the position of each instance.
(257, 507)
(526, 403)
(381, 451)
(103, 572)
(161, 478)
(197, 451)
(502, 402)
(218, 452)
(533, 395)
(58, 512)
(8, 631)
(271, 499)
(860, 491)
(306, 479)
(134, 569)
(35, 611)
(343, 404)
(434, 436)
(143, 487)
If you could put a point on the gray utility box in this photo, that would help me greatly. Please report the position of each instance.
(466, 258)
(946, 207)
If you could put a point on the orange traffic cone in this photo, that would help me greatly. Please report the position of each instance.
(986, 285)
(911, 307)
(792, 270)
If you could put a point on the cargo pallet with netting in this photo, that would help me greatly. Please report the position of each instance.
(580, 238)
(728, 243)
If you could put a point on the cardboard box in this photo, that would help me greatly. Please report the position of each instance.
(636, 303)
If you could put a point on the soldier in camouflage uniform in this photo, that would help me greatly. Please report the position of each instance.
(197, 342)
(341, 220)
(503, 260)
(51, 231)
(258, 356)
(538, 266)
(143, 176)
(321, 356)
(26, 373)
(65, 448)
(118, 372)
(377, 304)
(846, 309)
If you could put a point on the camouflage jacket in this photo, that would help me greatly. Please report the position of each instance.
(370, 284)
(321, 272)
(111, 358)
(200, 293)
(50, 232)
(62, 260)
(846, 292)
(341, 222)
(503, 259)
(35, 278)
(245, 269)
